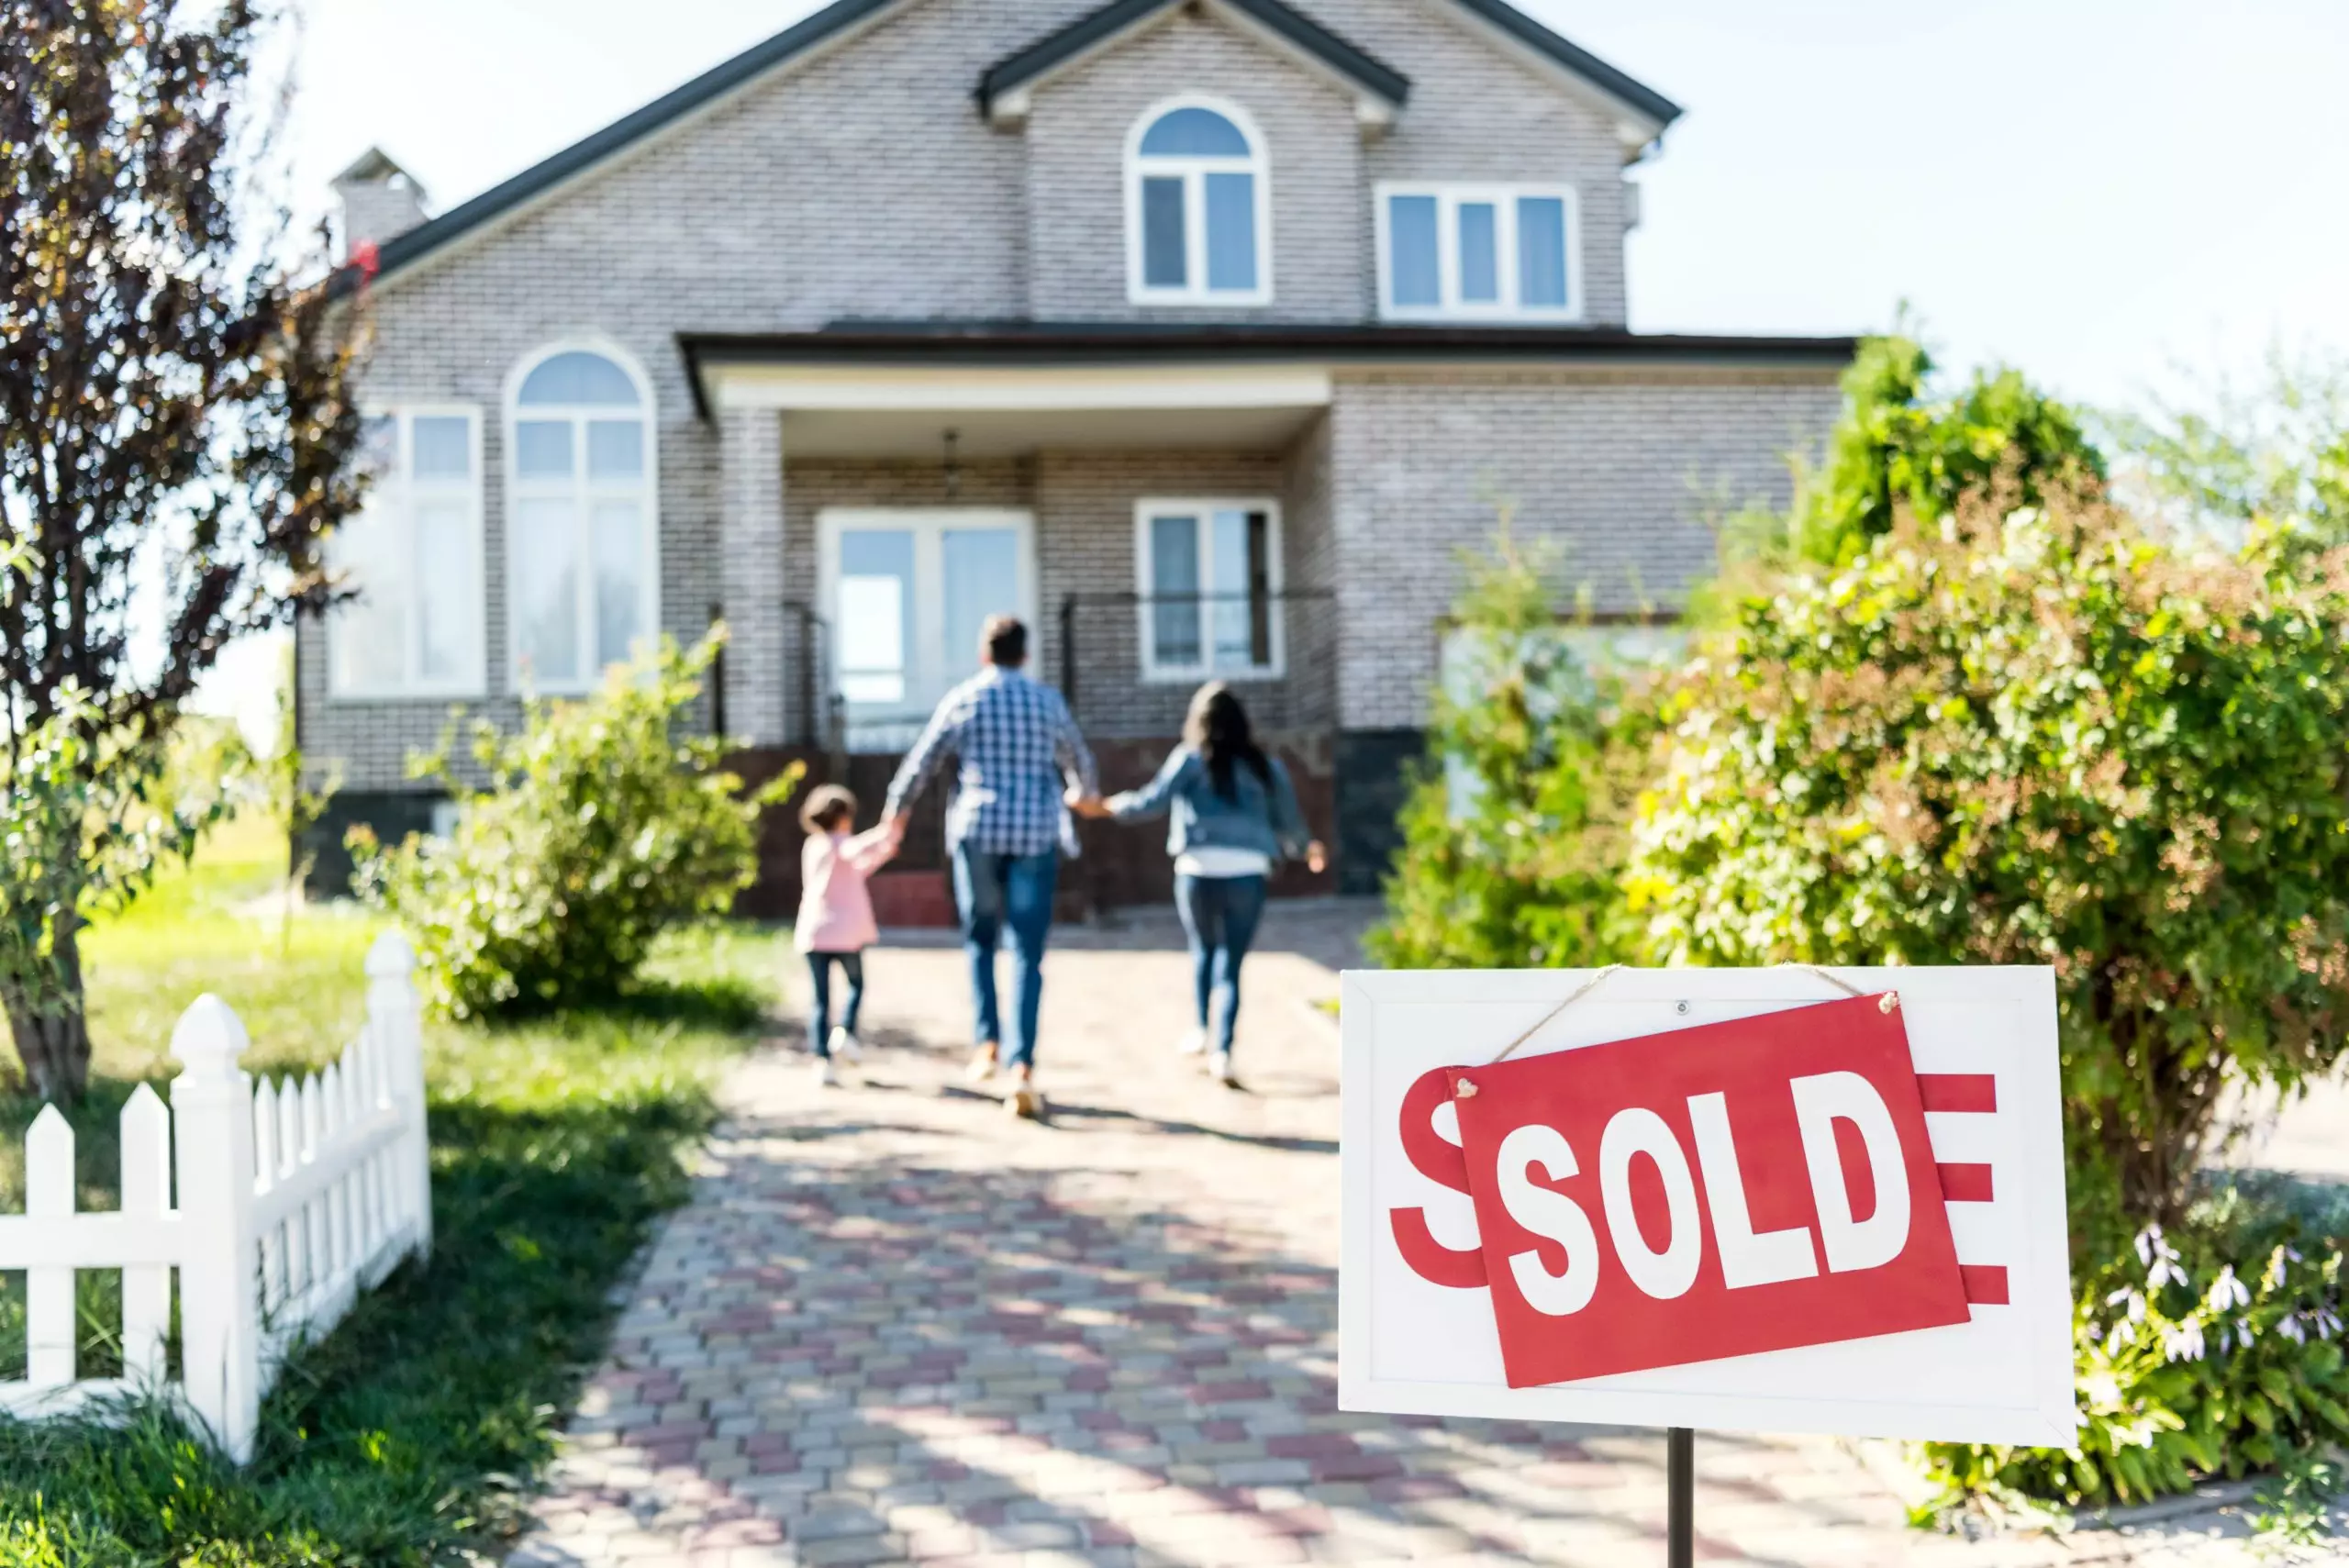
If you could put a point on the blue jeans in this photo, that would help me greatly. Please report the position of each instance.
(820, 1022)
(993, 891)
(1219, 916)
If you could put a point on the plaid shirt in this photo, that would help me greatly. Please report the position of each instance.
(1013, 739)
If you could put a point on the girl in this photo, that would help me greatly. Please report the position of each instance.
(836, 915)
(1234, 813)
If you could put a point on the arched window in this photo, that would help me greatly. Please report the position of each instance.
(1197, 209)
(582, 556)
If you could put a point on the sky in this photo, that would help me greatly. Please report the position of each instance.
(2100, 192)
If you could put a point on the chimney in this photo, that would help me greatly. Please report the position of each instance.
(380, 200)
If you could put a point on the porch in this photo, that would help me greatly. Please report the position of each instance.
(1155, 529)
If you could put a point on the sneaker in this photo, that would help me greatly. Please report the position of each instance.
(982, 1064)
(1220, 1069)
(846, 1046)
(1025, 1101)
(1195, 1043)
(824, 1075)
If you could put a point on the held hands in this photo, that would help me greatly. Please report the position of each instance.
(1316, 857)
(1084, 804)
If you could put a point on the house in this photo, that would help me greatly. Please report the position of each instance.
(1205, 334)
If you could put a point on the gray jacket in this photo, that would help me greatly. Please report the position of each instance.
(1253, 816)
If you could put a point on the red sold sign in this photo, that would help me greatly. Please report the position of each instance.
(1717, 1191)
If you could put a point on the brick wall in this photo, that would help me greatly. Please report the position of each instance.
(1077, 136)
(1627, 473)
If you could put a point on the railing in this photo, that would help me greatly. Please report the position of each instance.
(293, 1197)
(816, 714)
(1129, 663)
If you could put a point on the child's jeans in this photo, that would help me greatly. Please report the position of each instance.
(820, 1022)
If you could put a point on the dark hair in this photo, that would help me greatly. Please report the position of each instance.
(1217, 728)
(1005, 640)
(825, 806)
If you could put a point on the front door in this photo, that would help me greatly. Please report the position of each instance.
(906, 593)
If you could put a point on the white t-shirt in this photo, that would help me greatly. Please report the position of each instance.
(1218, 860)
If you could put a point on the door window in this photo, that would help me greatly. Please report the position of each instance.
(905, 595)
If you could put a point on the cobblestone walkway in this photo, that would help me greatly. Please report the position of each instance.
(896, 1325)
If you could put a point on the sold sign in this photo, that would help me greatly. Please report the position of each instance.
(1706, 1197)
(1735, 1187)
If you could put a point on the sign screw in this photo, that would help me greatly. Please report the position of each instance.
(1681, 1008)
(1888, 1003)
(1466, 1091)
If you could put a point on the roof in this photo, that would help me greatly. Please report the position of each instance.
(1284, 22)
(753, 63)
(372, 167)
(842, 16)
(1042, 343)
(1580, 61)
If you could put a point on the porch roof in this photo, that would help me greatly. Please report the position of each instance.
(1030, 364)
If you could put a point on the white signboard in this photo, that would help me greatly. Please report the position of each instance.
(1759, 1200)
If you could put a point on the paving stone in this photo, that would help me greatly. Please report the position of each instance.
(894, 1325)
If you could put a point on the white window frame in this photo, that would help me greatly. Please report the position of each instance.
(397, 490)
(1449, 197)
(1193, 171)
(928, 659)
(1153, 670)
(646, 490)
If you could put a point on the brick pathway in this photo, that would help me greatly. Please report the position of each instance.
(896, 1325)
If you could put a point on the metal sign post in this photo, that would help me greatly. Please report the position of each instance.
(1680, 1498)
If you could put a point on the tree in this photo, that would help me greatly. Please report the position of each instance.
(173, 409)
(1507, 844)
(1896, 448)
(2038, 734)
(601, 827)
(293, 807)
(2225, 455)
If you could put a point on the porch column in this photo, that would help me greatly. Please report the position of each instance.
(750, 558)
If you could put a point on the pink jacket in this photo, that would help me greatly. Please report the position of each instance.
(835, 911)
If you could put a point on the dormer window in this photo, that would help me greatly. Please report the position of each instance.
(1479, 252)
(1198, 212)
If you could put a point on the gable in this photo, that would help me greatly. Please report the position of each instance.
(1007, 87)
(1379, 84)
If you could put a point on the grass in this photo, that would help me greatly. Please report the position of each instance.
(411, 1434)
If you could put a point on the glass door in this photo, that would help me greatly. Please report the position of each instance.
(906, 593)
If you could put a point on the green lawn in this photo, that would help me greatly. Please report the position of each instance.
(411, 1434)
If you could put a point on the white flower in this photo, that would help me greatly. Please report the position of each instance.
(2227, 1292)
(2183, 1342)
(2290, 1328)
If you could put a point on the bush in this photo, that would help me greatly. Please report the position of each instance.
(1896, 449)
(600, 828)
(2039, 735)
(2189, 1364)
(1507, 860)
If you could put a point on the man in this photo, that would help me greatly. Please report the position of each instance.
(1015, 744)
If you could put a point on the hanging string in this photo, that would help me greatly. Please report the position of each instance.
(1891, 1000)
(1578, 993)
(1835, 980)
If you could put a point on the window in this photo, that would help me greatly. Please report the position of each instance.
(1496, 251)
(1198, 212)
(580, 521)
(1210, 577)
(412, 558)
(905, 592)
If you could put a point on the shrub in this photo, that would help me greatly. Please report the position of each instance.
(1506, 860)
(2039, 735)
(2189, 1366)
(1896, 449)
(600, 826)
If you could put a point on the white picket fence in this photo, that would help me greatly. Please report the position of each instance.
(293, 1197)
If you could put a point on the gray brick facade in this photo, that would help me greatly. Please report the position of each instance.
(860, 181)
